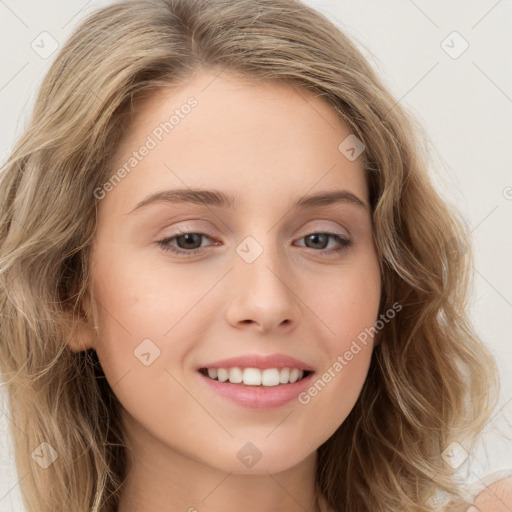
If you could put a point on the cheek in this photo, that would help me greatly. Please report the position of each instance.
(330, 398)
(151, 319)
(144, 330)
(338, 383)
(347, 301)
(138, 298)
(348, 307)
(132, 310)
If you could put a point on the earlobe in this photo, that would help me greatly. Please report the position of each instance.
(81, 335)
(80, 330)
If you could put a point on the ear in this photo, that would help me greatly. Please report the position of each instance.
(79, 328)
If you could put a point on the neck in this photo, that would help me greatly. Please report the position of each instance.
(159, 477)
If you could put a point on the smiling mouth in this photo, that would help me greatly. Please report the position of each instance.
(255, 376)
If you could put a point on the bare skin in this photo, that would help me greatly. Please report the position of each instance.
(495, 498)
(268, 145)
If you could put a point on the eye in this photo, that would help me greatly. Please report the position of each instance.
(190, 243)
(321, 241)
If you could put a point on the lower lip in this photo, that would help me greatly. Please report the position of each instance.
(258, 397)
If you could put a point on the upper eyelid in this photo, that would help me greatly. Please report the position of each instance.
(181, 232)
(204, 231)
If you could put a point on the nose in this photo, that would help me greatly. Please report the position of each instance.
(263, 297)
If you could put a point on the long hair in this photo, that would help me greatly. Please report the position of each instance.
(431, 381)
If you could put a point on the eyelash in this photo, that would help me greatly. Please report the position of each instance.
(344, 243)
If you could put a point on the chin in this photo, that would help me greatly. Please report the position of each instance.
(256, 459)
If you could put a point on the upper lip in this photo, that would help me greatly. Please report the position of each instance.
(261, 362)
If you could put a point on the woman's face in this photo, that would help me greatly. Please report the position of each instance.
(255, 278)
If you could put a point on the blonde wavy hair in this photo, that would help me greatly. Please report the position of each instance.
(431, 381)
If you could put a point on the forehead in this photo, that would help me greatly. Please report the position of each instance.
(225, 132)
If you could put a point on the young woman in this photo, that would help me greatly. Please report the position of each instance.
(227, 282)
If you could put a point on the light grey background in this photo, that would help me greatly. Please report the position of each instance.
(464, 103)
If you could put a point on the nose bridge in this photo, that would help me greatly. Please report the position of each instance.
(260, 261)
(262, 293)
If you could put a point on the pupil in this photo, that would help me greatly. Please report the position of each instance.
(315, 238)
(190, 238)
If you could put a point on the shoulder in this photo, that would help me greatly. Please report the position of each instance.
(497, 497)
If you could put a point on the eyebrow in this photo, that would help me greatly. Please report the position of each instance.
(223, 200)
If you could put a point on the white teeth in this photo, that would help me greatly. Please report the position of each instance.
(222, 374)
(252, 377)
(255, 376)
(235, 375)
(294, 375)
(270, 377)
